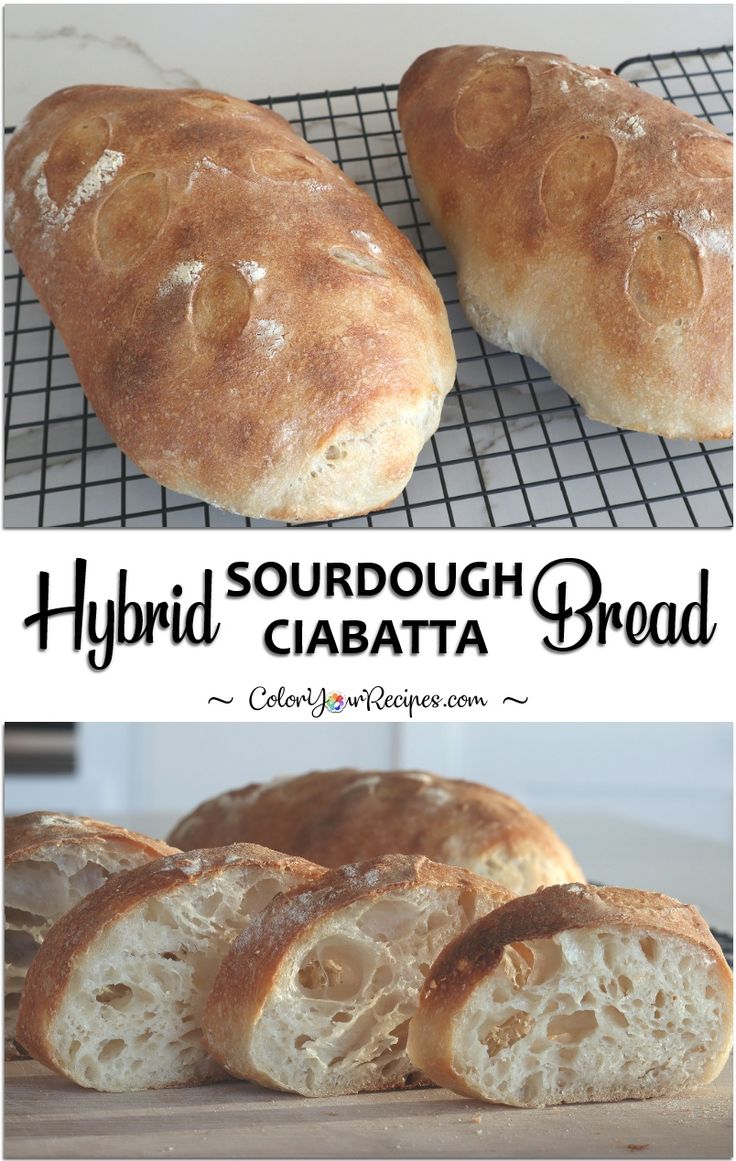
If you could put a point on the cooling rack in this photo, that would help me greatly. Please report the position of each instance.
(512, 449)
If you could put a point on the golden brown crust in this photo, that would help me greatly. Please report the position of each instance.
(473, 955)
(70, 937)
(26, 835)
(339, 816)
(592, 227)
(566, 907)
(247, 973)
(248, 325)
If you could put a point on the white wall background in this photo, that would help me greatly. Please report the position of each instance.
(259, 50)
(674, 776)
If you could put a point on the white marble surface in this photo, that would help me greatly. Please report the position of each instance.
(259, 50)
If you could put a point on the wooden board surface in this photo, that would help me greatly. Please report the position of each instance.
(46, 1116)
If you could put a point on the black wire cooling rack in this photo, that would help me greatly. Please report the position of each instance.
(512, 449)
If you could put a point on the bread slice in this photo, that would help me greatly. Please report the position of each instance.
(315, 997)
(342, 816)
(114, 997)
(575, 994)
(51, 862)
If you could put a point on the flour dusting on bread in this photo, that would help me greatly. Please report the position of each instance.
(271, 334)
(253, 271)
(184, 274)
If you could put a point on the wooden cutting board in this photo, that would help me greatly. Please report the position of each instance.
(46, 1116)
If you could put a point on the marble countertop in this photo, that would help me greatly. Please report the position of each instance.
(259, 50)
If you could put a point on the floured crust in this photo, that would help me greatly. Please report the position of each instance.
(474, 956)
(32, 835)
(70, 938)
(248, 976)
(591, 223)
(248, 325)
(339, 816)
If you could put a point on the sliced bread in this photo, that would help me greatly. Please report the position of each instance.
(316, 995)
(577, 994)
(51, 862)
(113, 999)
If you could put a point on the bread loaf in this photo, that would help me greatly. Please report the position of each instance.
(576, 994)
(51, 862)
(113, 1000)
(591, 224)
(248, 325)
(340, 816)
(315, 997)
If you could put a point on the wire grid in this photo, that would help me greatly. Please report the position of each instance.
(512, 450)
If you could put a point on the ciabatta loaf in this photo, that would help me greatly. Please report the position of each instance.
(246, 322)
(51, 862)
(591, 224)
(340, 816)
(315, 997)
(113, 1000)
(576, 994)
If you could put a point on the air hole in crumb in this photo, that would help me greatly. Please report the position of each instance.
(23, 918)
(649, 947)
(382, 976)
(547, 961)
(504, 1035)
(116, 995)
(302, 1040)
(334, 970)
(20, 948)
(388, 919)
(400, 1035)
(111, 1049)
(341, 1018)
(73, 154)
(573, 1028)
(616, 1016)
